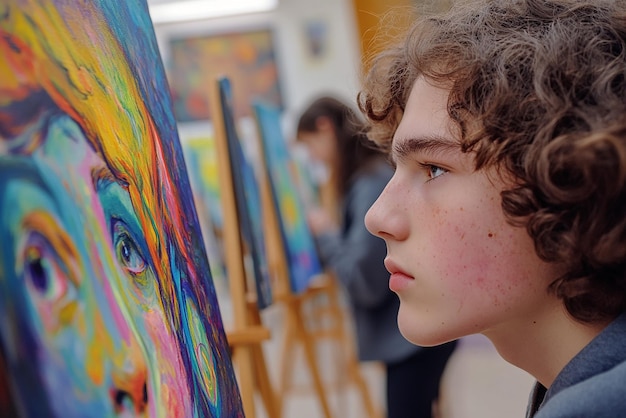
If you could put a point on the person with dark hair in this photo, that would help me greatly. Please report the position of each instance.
(505, 215)
(334, 135)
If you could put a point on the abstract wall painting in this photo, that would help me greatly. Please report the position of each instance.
(107, 304)
(249, 59)
(304, 263)
(201, 161)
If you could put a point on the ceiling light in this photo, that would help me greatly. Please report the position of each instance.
(182, 10)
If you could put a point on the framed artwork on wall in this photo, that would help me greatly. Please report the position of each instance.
(247, 58)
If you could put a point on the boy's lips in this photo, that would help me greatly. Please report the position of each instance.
(399, 279)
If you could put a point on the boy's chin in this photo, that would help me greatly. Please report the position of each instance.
(421, 333)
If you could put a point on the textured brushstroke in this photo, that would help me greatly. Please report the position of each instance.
(106, 296)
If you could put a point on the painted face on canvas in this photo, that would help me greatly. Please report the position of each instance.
(57, 279)
(85, 111)
(456, 264)
(76, 276)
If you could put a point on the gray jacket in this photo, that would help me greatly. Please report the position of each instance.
(592, 384)
(356, 257)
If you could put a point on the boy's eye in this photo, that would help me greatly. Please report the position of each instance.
(126, 250)
(434, 171)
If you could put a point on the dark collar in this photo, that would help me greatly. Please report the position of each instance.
(603, 353)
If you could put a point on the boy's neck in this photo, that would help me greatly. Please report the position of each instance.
(544, 345)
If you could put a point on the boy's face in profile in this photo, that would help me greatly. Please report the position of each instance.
(456, 264)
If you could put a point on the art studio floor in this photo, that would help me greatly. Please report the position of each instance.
(477, 383)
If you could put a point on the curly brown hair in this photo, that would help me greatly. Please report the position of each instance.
(546, 82)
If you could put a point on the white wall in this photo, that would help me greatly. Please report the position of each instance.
(302, 76)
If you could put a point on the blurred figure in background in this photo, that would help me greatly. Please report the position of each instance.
(358, 172)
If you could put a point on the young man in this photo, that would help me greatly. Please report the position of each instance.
(506, 121)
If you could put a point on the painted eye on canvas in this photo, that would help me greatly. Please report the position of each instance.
(127, 251)
(42, 272)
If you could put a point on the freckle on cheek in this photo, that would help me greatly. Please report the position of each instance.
(480, 283)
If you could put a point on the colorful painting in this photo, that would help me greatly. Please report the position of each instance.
(201, 161)
(306, 182)
(106, 297)
(300, 248)
(247, 58)
(248, 200)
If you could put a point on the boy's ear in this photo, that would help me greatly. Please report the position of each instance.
(323, 124)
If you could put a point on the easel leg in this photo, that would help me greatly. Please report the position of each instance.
(242, 357)
(309, 353)
(263, 382)
(358, 378)
(287, 358)
(345, 340)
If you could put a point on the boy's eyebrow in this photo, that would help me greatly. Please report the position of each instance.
(431, 145)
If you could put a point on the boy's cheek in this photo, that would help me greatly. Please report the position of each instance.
(468, 259)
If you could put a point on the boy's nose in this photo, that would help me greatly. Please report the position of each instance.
(371, 219)
(129, 393)
(384, 218)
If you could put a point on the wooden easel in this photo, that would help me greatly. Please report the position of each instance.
(297, 327)
(248, 333)
(327, 288)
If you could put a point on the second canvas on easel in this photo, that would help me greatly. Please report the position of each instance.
(248, 198)
(298, 241)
